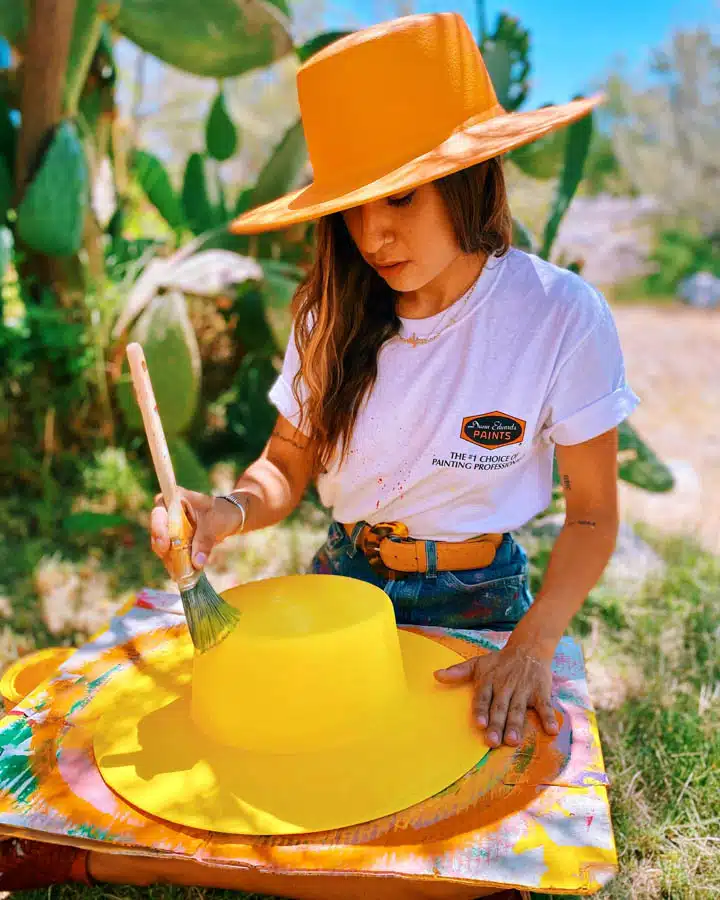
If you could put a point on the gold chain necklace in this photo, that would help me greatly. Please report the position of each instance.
(415, 341)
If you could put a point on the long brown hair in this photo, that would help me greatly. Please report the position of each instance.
(344, 311)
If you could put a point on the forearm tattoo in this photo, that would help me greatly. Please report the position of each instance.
(288, 440)
(583, 522)
(566, 482)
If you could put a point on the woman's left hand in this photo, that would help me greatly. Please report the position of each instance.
(507, 682)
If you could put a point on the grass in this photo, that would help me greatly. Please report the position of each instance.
(662, 744)
(653, 670)
(634, 292)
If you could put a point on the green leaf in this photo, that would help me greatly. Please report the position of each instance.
(7, 186)
(319, 42)
(542, 158)
(155, 182)
(214, 38)
(644, 469)
(250, 415)
(91, 523)
(8, 134)
(521, 237)
(253, 329)
(6, 249)
(579, 135)
(196, 203)
(51, 216)
(220, 134)
(87, 27)
(281, 281)
(244, 198)
(220, 238)
(283, 168)
(221, 210)
(13, 21)
(189, 471)
(283, 6)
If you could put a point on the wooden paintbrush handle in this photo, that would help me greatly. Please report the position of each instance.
(180, 529)
(153, 425)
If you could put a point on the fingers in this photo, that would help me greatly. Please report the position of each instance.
(196, 507)
(498, 715)
(464, 671)
(515, 722)
(481, 703)
(204, 540)
(545, 711)
(159, 537)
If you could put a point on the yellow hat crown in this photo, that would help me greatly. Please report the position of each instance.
(301, 676)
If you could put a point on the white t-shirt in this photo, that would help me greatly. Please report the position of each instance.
(457, 437)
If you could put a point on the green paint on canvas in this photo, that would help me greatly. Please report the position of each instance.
(16, 775)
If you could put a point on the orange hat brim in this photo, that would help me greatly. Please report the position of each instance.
(465, 147)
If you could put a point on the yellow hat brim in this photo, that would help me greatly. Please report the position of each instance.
(149, 752)
(469, 145)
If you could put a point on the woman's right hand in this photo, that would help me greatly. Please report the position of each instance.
(213, 519)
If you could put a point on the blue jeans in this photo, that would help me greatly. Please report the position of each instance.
(495, 597)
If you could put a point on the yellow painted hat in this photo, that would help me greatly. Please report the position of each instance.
(316, 713)
(395, 106)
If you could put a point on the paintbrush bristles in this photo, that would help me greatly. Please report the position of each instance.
(209, 617)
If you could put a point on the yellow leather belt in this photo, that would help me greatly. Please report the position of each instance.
(389, 548)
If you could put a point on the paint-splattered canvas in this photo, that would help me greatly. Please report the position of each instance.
(533, 817)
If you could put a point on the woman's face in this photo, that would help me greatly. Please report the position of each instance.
(407, 238)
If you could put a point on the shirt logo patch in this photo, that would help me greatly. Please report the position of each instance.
(493, 429)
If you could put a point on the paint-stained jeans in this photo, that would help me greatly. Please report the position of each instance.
(496, 596)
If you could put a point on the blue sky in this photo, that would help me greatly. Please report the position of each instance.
(574, 42)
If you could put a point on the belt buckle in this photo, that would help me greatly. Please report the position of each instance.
(371, 546)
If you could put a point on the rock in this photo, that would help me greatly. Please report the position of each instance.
(701, 290)
(632, 565)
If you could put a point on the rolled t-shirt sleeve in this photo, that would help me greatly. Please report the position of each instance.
(590, 394)
(281, 393)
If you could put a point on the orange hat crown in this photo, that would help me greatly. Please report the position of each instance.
(374, 100)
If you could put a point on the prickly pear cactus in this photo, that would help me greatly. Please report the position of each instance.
(216, 38)
(13, 20)
(189, 471)
(51, 215)
(540, 159)
(155, 182)
(221, 138)
(521, 237)
(173, 359)
(506, 52)
(198, 208)
(577, 144)
(6, 187)
(87, 27)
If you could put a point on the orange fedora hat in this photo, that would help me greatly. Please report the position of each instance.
(395, 106)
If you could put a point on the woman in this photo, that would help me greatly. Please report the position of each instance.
(433, 371)
(431, 375)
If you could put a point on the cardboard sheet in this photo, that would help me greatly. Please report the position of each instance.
(533, 817)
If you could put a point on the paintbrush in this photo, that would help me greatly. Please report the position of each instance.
(209, 617)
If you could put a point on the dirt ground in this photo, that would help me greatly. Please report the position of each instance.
(672, 357)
